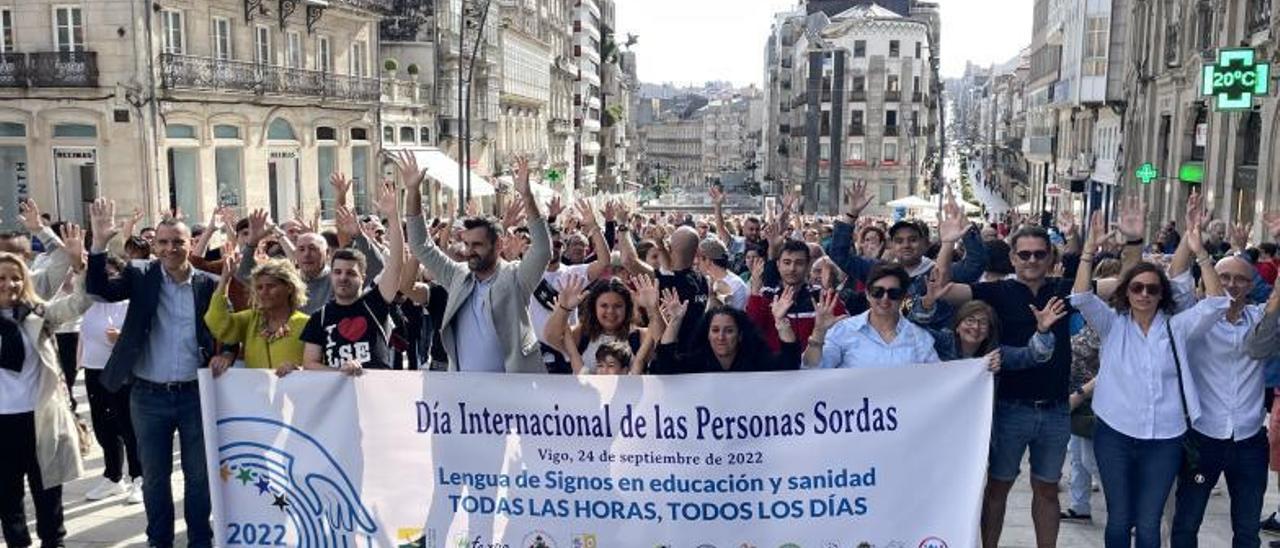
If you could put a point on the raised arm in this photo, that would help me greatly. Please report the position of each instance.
(388, 201)
(226, 326)
(630, 260)
(538, 255)
(824, 317)
(1194, 242)
(1263, 341)
(97, 283)
(598, 242)
(436, 261)
(717, 204)
(557, 329)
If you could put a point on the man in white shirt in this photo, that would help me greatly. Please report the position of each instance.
(1231, 389)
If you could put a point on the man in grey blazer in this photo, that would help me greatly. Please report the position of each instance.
(486, 325)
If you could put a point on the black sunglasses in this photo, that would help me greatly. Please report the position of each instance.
(1153, 290)
(878, 292)
(1039, 255)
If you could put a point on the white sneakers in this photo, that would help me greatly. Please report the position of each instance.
(107, 489)
(135, 492)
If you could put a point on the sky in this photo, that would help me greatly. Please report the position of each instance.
(694, 41)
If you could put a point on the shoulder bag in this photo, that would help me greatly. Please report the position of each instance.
(1190, 445)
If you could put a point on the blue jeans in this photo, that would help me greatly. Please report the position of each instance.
(157, 412)
(1045, 431)
(1245, 465)
(1136, 478)
(1083, 468)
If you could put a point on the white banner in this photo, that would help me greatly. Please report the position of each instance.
(884, 458)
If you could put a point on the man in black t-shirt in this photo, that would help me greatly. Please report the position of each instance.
(351, 332)
(688, 282)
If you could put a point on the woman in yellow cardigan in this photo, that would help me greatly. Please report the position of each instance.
(270, 328)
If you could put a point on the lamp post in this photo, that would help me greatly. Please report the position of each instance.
(464, 94)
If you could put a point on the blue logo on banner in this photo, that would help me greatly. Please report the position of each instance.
(301, 479)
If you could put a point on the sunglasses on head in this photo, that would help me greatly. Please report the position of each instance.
(1038, 255)
(1153, 290)
(894, 293)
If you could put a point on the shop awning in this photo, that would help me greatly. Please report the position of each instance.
(444, 170)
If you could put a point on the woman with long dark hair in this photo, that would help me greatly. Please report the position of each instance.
(606, 312)
(36, 423)
(727, 339)
(1145, 396)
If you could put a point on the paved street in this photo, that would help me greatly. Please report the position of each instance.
(112, 523)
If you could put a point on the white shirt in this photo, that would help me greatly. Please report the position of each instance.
(18, 389)
(539, 314)
(1230, 383)
(94, 347)
(738, 290)
(475, 336)
(853, 342)
(1137, 391)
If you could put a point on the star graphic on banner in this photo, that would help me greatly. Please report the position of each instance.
(245, 476)
(224, 472)
(262, 485)
(280, 502)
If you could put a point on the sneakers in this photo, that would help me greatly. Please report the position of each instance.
(1271, 524)
(135, 492)
(107, 489)
(1072, 515)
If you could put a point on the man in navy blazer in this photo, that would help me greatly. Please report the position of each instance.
(163, 341)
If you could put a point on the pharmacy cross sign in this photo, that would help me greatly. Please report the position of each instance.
(1147, 173)
(1235, 79)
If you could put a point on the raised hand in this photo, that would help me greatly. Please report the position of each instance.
(258, 221)
(1195, 240)
(102, 220)
(951, 221)
(230, 263)
(1054, 310)
(611, 211)
(856, 198)
(1133, 217)
(570, 296)
(130, 223)
(1066, 222)
(645, 293)
(473, 208)
(344, 219)
(522, 176)
(411, 176)
(825, 311)
(387, 200)
(782, 303)
(341, 185)
(29, 212)
(673, 309)
(1195, 209)
(555, 208)
(514, 215)
(1240, 235)
(588, 215)
(73, 245)
(717, 196)
(1097, 230)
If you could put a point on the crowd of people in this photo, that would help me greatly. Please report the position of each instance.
(1151, 365)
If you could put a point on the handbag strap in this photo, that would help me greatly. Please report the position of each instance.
(1186, 413)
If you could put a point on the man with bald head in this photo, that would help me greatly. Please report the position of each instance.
(1230, 387)
(688, 282)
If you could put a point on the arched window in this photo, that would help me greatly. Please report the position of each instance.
(280, 130)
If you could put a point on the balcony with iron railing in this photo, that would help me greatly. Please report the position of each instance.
(891, 131)
(49, 69)
(893, 95)
(857, 130)
(858, 95)
(205, 73)
(917, 96)
(404, 91)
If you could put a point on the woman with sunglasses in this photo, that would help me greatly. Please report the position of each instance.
(880, 336)
(1145, 395)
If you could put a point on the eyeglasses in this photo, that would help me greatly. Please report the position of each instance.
(1153, 290)
(894, 293)
(1038, 255)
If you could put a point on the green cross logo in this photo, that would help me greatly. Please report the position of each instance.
(1148, 173)
(1235, 79)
